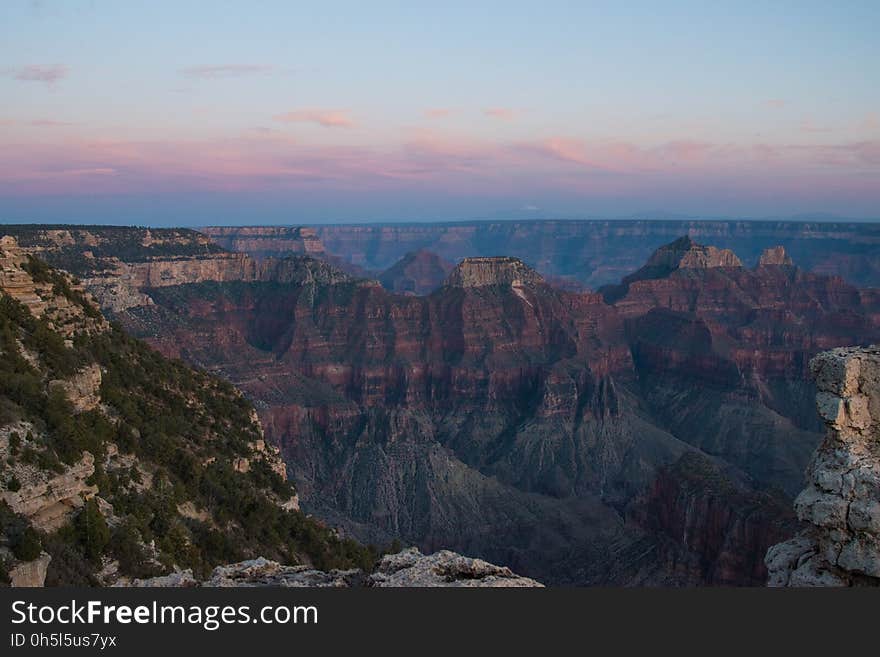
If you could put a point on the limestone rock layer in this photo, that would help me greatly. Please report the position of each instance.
(841, 503)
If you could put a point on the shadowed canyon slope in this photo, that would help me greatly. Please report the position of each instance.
(652, 433)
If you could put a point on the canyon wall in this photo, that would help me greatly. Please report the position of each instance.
(559, 433)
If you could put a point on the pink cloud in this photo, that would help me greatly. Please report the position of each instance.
(324, 117)
(567, 150)
(438, 112)
(501, 113)
(268, 161)
(37, 123)
(775, 103)
(35, 73)
(224, 71)
(49, 123)
(870, 122)
(809, 126)
(686, 150)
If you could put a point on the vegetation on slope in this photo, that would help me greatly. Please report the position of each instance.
(165, 440)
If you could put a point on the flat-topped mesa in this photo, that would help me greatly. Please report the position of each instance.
(775, 256)
(488, 271)
(684, 253)
(841, 503)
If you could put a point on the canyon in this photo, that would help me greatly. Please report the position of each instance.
(653, 432)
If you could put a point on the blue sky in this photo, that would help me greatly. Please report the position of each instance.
(234, 112)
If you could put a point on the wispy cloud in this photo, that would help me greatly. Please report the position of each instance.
(213, 72)
(37, 123)
(501, 113)
(776, 103)
(809, 126)
(870, 122)
(437, 163)
(438, 112)
(324, 117)
(48, 75)
(49, 123)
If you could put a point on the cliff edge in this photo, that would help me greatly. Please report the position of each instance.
(841, 503)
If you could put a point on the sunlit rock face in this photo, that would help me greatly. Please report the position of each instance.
(775, 257)
(482, 272)
(406, 569)
(841, 503)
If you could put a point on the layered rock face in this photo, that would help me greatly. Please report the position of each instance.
(775, 257)
(22, 279)
(684, 253)
(47, 501)
(117, 267)
(482, 272)
(841, 503)
(406, 569)
(122, 286)
(633, 438)
(267, 241)
(547, 430)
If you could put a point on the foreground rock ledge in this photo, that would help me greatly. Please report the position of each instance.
(841, 503)
(409, 568)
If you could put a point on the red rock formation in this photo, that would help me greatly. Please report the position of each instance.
(508, 419)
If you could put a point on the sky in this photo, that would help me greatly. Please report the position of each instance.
(194, 113)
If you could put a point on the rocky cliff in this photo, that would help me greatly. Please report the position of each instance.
(409, 568)
(119, 265)
(266, 241)
(499, 270)
(841, 503)
(775, 257)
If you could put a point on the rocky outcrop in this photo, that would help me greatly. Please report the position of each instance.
(841, 503)
(48, 500)
(127, 284)
(83, 389)
(30, 574)
(501, 270)
(775, 257)
(444, 568)
(54, 295)
(409, 568)
(684, 253)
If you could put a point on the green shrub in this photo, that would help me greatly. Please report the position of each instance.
(25, 544)
(92, 531)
